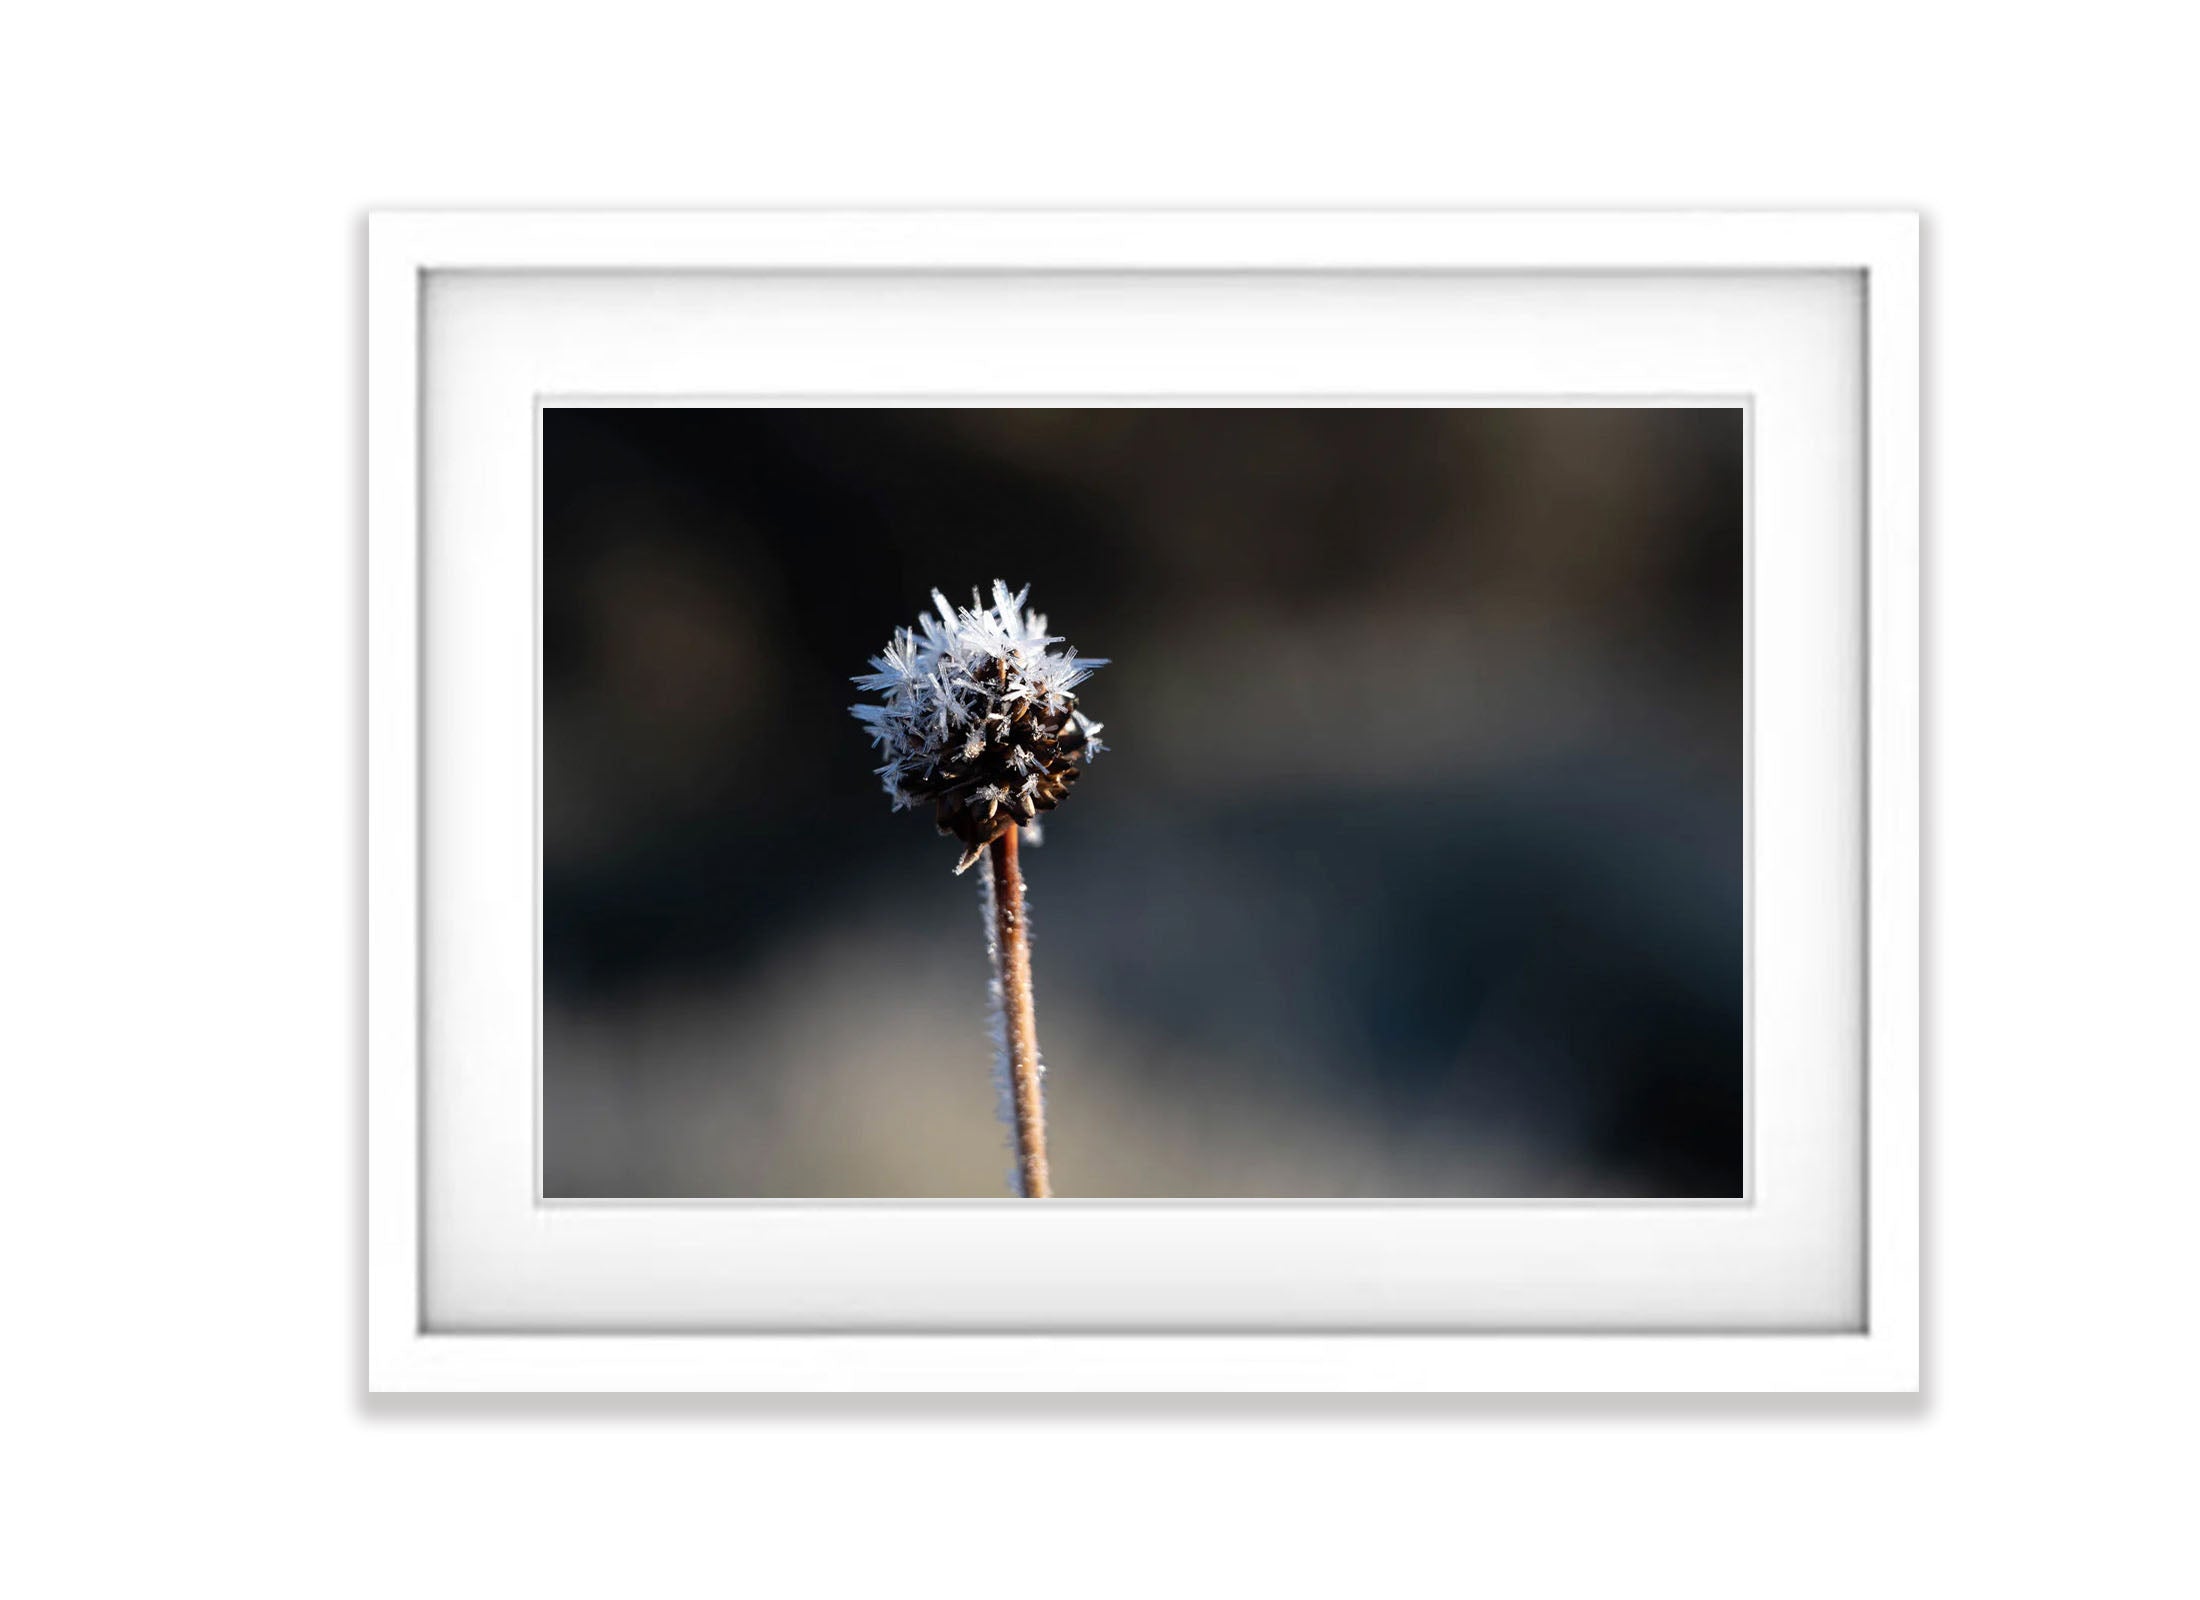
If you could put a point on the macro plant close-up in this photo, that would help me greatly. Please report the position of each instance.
(1412, 867)
(978, 718)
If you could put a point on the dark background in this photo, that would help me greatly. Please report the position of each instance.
(1414, 866)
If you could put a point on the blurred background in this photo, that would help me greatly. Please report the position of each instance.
(1413, 868)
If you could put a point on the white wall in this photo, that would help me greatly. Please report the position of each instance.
(179, 883)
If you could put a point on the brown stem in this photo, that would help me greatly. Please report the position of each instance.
(1013, 951)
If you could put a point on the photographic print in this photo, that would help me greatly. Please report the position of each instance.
(1143, 801)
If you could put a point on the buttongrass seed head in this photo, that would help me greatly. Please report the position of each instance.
(977, 717)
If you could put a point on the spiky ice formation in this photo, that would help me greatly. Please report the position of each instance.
(978, 715)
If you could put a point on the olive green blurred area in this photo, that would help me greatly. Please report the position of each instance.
(1414, 866)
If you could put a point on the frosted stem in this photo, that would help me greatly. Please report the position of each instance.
(1012, 970)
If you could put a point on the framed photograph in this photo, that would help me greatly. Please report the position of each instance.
(1143, 801)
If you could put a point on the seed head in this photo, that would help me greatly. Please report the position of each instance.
(978, 717)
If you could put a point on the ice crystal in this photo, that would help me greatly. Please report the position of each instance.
(978, 716)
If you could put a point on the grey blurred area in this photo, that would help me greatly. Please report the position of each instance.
(1414, 866)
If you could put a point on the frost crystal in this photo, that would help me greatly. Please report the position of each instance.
(978, 715)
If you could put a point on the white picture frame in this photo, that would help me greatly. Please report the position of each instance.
(926, 1347)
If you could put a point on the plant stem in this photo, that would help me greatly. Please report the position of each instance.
(1012, 953)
